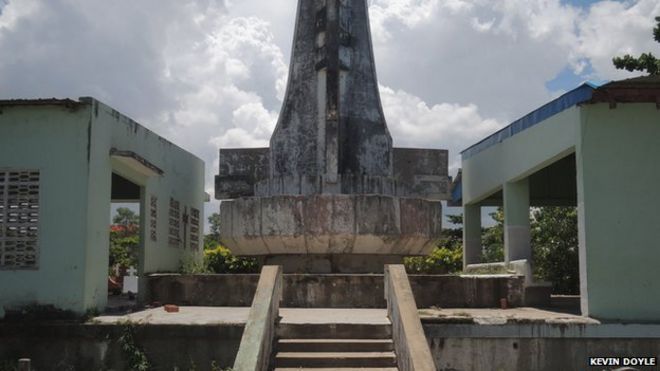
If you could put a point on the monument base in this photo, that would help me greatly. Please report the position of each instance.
(331, 263)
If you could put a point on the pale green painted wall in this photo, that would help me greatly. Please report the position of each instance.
(52, 140)
(75, 198)
(183, 179)
(618, 159)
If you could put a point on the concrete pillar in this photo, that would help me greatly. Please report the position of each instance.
(471, 235)
(517, 234)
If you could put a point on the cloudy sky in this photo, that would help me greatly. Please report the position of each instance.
(211, 73)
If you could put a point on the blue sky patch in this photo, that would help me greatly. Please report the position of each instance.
(567, 79)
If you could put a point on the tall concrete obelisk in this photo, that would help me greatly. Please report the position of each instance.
(331, 194)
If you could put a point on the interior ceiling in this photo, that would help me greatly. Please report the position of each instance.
(124, 190)
(554, 185)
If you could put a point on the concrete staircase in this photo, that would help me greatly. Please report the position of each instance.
(334, 346)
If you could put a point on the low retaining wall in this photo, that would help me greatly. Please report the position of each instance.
(75, 346)
(335, 291)
(458, 347)
(538, 346)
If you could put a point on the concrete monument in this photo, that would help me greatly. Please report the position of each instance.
(330, 194)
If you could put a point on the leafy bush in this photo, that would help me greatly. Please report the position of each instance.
(192, 265)
(134, 355)
(442, 260)
(221, 260)
(447, 257)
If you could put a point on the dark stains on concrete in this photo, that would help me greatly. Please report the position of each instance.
(332, 290)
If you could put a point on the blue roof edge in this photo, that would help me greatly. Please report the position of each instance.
(567, 100)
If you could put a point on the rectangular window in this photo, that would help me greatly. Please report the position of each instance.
(19, 219)
(174, 235)
(153, 214)
(194, 228)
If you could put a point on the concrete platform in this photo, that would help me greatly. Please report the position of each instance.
(459, 338)
(492, 316)
(238, 315)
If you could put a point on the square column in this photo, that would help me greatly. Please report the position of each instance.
(517, 233)
(471, 235)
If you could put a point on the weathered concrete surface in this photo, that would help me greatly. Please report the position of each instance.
(197, 316)
(331, 124)
(330, 224)
(530, 339)
(422, 172)
(239, 315)
(335, 290)
(493, 316)
(537, 344)
(254, 353)
(240, 170)
(333, 184)
(413, 353)
(83, 347)
(332, 263)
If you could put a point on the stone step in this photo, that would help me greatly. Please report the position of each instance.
(335, 359)
(335, 345)
(333, 331)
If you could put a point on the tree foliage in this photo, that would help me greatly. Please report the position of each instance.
(646, 62)
(126, 217)
(492, 239)
(447, 257)
(218, 258)
(555, 248)
(212, 239)
(221, 260)
(124, 239)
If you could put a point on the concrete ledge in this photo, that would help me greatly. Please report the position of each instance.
(335, 290)
(535, 293)
(413, 353)
(256, 344)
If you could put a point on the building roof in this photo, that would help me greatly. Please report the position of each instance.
(574, 97)
(69, 103)
(644, 89)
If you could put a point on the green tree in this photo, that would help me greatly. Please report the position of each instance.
(126, 217)
(212, 239)
(492, 239)
(555, 248)
(124, 239)
(646, 62)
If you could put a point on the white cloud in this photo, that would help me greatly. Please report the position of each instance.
(613, 28)
(413, 123)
